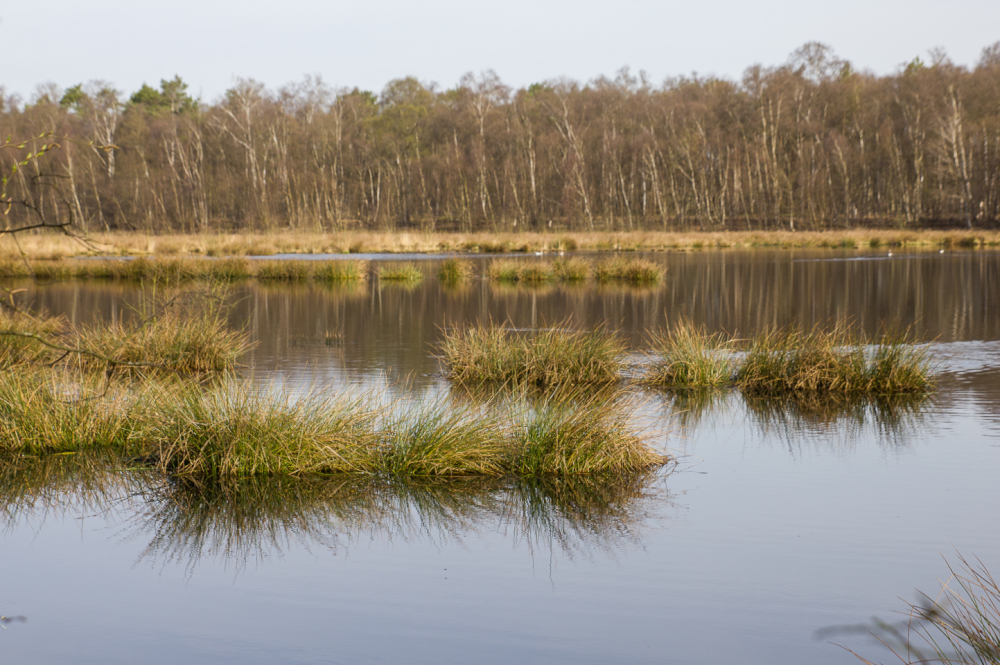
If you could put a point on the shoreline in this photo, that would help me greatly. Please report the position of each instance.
(49, 246)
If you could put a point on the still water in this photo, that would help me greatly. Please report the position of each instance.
(773, 524)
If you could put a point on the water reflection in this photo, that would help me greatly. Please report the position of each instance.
(389, 328)
(247, 522)
(888, 421)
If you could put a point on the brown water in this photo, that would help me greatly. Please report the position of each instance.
(774, 524)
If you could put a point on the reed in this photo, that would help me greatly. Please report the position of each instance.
(690, 358)
(960, 625)
(454, 271)
(635, 271)
(400, 272)
(283, 271)
(543, 359)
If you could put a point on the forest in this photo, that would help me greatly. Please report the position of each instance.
(809, 144)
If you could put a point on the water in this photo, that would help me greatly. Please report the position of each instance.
(771, 526)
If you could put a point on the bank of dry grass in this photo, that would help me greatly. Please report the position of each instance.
(47, 246)
(178, 270)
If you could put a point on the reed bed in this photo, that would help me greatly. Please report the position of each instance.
(632, 271)
(184, 269)
(52, 246)
(546, 358)
(238, 430)
(400, 272)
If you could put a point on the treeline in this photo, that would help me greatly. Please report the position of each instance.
(809, 144)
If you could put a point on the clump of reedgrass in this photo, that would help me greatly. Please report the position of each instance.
(782, 361)
(454, 271)
(573, 269)
(545, 358)
(514, 271)
(16, 349)
(690, 358)
(400, 272)
(283, 271)
(628, 270)
(564, 437)
(242, 432)
(51, 412)
(340, 272)
(169, 342)
(184, 332)
(230, 269)
(239, 431)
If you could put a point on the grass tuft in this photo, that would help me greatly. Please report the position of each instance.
(400, 272)
(454, 271)
(628, 270)
(690, 359)
(341, 272)
(546, 358)
(784, 361)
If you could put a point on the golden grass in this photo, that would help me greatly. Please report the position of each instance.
(50, 246)
(176, 270)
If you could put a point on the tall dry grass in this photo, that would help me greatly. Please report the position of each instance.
(49, 246)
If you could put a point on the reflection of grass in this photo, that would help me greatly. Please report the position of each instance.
(960, 625)
(186, 519)
(482, 354)
(252, 518)
(886, 413)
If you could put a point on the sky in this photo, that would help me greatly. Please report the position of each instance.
(367, 44)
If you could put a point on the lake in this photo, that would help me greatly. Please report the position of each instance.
(775, 522)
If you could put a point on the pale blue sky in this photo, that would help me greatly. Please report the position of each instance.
(367, 44)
